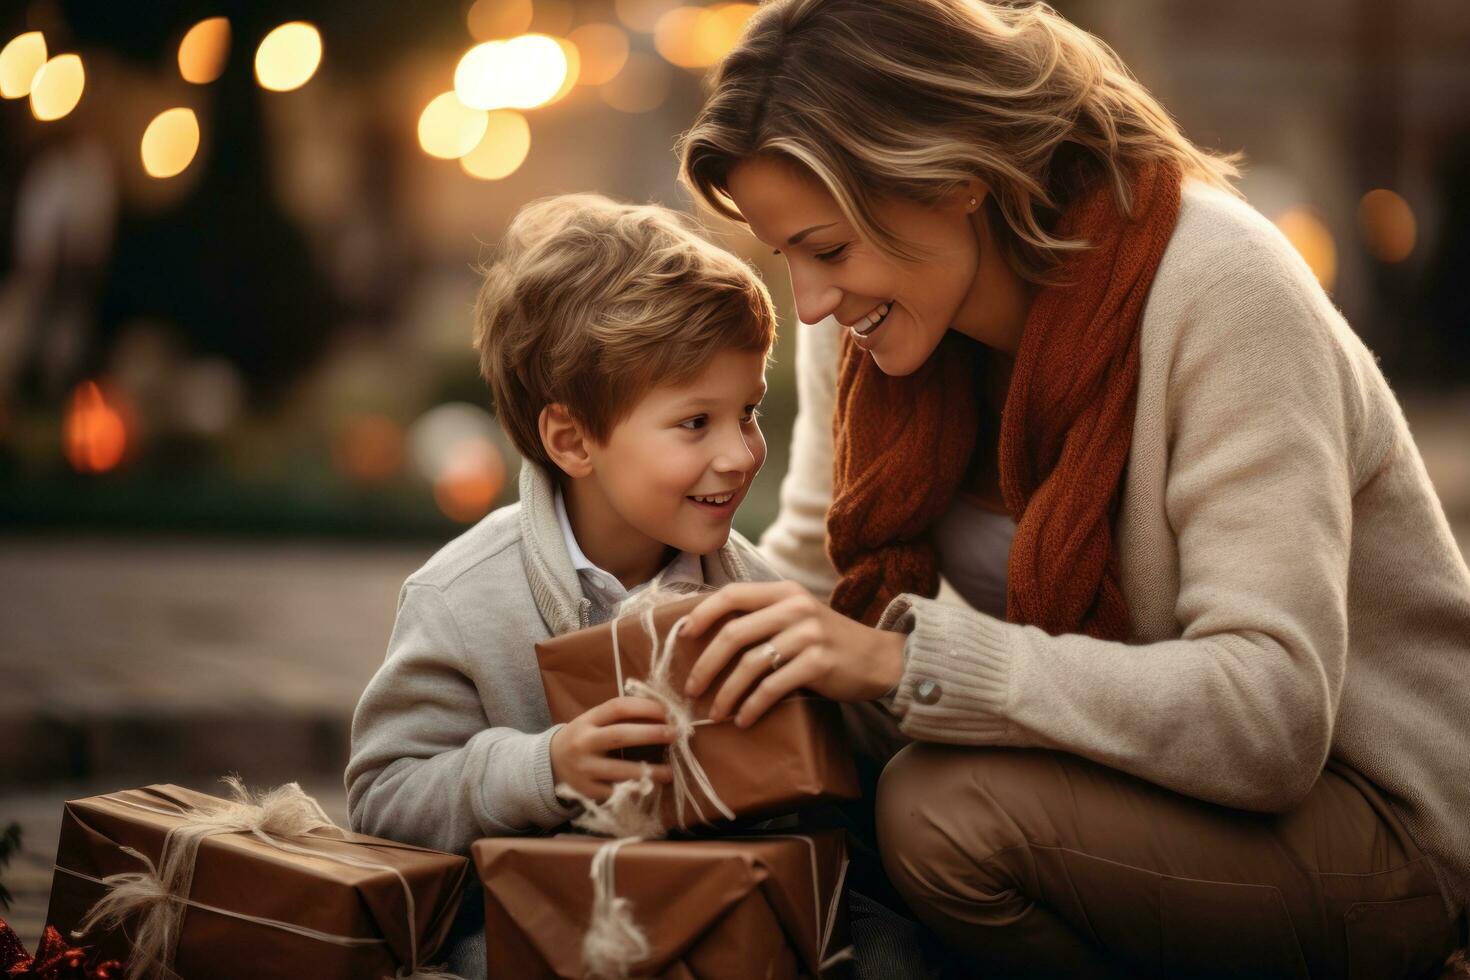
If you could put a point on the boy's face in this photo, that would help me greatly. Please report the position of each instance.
(696, 440)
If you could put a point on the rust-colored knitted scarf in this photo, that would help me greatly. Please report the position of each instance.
(902, 446)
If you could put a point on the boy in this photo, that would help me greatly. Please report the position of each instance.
(626, 359)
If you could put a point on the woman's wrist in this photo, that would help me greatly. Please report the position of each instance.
(895, 661)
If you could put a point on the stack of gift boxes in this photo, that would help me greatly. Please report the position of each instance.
(167, 879)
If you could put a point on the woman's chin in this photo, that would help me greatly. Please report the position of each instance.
(898, 363)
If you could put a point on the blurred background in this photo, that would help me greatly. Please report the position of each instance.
(238, 403)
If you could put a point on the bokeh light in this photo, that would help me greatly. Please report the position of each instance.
(697, 37)
(641, 86)
(552, 17)
(471, 480)
(1305, 230)
(204, 50)
(643, 15)
(19, 62)
(448, 128)
(369, 448)
(1387, 225)
(521, 73)
(453, 446)
(210, 396)
(94, 433)
(603, 50)
(491, 19)
(288, 56)
(57, 87)
(573, 72)
(675, 37)
(170, 142)
(502, 149)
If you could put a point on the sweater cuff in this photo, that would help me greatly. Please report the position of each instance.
(956, 679)
(553, 812)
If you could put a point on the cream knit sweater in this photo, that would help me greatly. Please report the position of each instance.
(1295, 590)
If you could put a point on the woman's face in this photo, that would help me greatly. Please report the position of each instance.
(896, 310)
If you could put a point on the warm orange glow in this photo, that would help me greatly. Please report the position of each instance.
(204, 51)
(170, 142)
(472, 479)
(720, 28)
(603, 49)
(490, 19)
(503, 149)
(1388, 225)
(643, 15)
(641, 86)
(288, 56)
(674, 37)
(448, 128)
(553, 16)
(697, 37)
(1305, 230)
(19, 62)
(521, 73)
(573, 72)
(57, 87)
(370, 449)
(94, 436)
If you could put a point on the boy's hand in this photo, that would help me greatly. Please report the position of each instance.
(581, 750)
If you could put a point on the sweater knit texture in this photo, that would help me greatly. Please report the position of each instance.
(1294, 588)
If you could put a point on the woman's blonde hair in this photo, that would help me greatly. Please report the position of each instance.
(590, 303)
(913, 98)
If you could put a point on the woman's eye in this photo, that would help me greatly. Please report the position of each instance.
(831, 255)
(693, 424)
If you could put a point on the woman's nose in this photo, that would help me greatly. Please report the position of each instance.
(816, 298)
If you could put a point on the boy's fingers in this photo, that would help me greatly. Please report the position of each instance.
(627, 708)
(623, 736)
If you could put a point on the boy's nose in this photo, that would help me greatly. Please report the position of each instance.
(735, 456)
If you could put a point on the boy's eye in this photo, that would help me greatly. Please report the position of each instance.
(698, 422)
(752, 412)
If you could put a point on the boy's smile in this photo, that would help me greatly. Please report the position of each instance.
(673, 472)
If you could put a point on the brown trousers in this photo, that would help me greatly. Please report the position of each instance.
(1033, 863)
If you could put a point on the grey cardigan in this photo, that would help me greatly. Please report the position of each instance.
(451, 739)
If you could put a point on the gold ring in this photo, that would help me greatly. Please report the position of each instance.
(772, 654)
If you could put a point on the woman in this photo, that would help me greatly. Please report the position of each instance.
(1206, 706)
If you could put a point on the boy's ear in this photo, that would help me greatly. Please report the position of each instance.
(564, 441)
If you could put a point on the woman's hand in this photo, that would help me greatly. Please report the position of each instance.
(815, 648)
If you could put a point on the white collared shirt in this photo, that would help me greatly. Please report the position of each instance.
(603, 587)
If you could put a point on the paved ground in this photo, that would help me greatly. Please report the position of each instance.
(125, 662)
(131, 662)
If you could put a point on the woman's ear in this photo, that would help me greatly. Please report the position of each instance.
(972, 195)
(564, 441)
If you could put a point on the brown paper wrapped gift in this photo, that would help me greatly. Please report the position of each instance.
(301, 898)
(796, 754)
(768, 906)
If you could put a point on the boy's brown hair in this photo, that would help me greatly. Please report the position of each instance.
(591, 303)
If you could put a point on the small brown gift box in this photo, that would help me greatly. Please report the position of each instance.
(769, 906)
(795, 755)
(236, 875)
